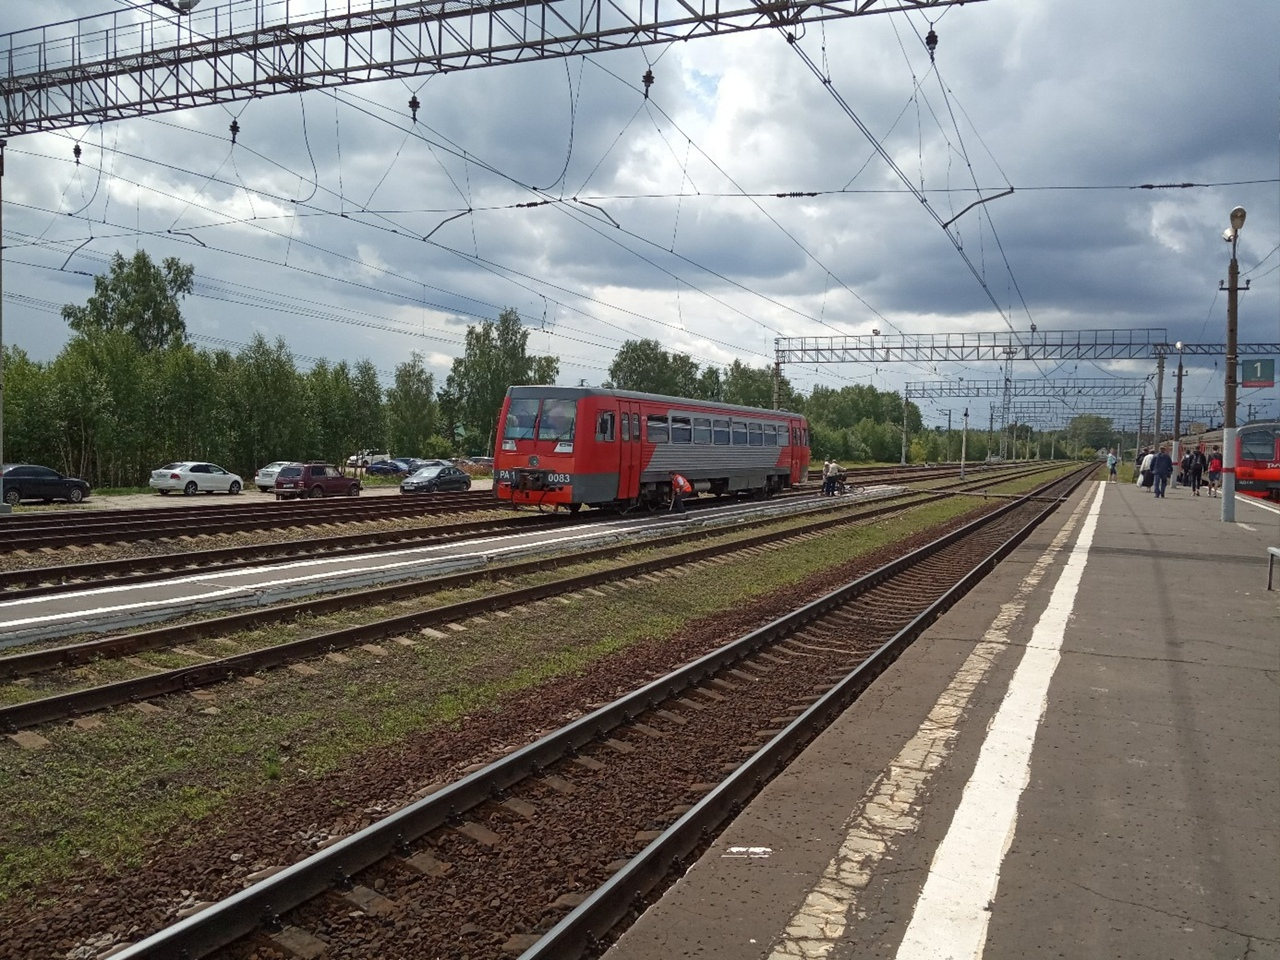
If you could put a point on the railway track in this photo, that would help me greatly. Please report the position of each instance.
(203, 670)
(503, 861)
(81, 528)
(49, 579)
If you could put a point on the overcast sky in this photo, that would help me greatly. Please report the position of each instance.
(311, 227)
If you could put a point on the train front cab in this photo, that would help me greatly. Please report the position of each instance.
(1258, 461)
(534, 463)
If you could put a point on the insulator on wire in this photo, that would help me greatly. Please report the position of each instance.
(931, 41)
(413, 107)
(647, 80)
(235, 130)
(76, 152)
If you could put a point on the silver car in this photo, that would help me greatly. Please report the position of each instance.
(194, 476)
(265, 479)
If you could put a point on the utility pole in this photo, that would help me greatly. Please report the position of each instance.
(1137, 447)
(904, 428)
(948, 436)
(4, 507)
(1177, 417)
(991, 428)
(964, 442)
(1232, 236)
(1159, 398)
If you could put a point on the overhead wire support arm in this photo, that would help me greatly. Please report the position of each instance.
(976, 203)
(119, 64)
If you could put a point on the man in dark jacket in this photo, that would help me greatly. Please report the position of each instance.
(1162, 467)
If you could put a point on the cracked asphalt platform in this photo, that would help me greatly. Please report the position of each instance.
(1149, 825)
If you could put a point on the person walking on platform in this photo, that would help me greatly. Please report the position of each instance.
(1198, 466)
(1148, 462)
(1215, 471)
(1162, 469)
(1111, 466)
(679, 487)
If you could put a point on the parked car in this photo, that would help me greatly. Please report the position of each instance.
(265, 479)
(314, 480)
(366, 457)
(194, 476)
(26, 481)
(388, 468)
(485, 463)
(436, 477)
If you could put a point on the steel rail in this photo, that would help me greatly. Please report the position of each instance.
(264, 902)
(159, 526)
(144, 569)
(62, 706)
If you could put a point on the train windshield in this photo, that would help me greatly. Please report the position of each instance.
(529, 418)
(1259, 443)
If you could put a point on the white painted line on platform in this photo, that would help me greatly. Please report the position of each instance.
(951, 915)
(890, 807)
(1260, 504)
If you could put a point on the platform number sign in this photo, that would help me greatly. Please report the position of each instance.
(1257, 373)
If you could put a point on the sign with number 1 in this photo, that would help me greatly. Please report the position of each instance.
(1257, 373)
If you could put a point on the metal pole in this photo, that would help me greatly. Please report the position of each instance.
(1142, 418)
(904, 428)
(1177, 420)
(964, 442)
(1159, 435)
(4, 507)
(1229, 406)
(948, 436)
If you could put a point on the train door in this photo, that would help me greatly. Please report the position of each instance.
(799, 459)
(629, 450)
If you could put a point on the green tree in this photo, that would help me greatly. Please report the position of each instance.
(753, 387)
(495, 357)
(643, 366)
(412, 411)
(138, 298)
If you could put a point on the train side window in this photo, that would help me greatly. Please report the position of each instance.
(604, 426)
(701, 430)
(739, 433)
(626, 428)
(656, 429)
(635, 427)
(720, 432)
(681, 430)
(771, 435)
(755, 435)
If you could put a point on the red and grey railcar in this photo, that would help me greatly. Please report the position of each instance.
(566, 447)
(1257, 457)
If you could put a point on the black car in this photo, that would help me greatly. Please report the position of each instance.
(24, 481)
(435, 477)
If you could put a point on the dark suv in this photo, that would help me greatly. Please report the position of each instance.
(314, 480)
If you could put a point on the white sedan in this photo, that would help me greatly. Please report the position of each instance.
(265, 479)
(193, 476)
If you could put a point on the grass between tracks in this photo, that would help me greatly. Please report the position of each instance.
(98, 797)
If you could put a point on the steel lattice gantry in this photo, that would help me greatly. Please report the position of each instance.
(119, 64)
(1064, 390)
(973, 347)
(1140, 343)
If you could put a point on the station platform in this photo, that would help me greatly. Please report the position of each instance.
(1081, 759)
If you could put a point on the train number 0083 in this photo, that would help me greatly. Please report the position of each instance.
(559, 478)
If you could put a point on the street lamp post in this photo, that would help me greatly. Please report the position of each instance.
(1232, 236)
(1177, 415)
(4, 507)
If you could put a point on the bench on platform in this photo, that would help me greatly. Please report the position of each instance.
(1273, 553)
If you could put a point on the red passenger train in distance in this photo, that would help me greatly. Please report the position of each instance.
(614, 449)
(1257, 457)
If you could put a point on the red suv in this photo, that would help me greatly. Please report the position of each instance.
(314, 480)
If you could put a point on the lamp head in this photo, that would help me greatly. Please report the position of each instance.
(1237, 218)
(1179, 346)
(1229, 234)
